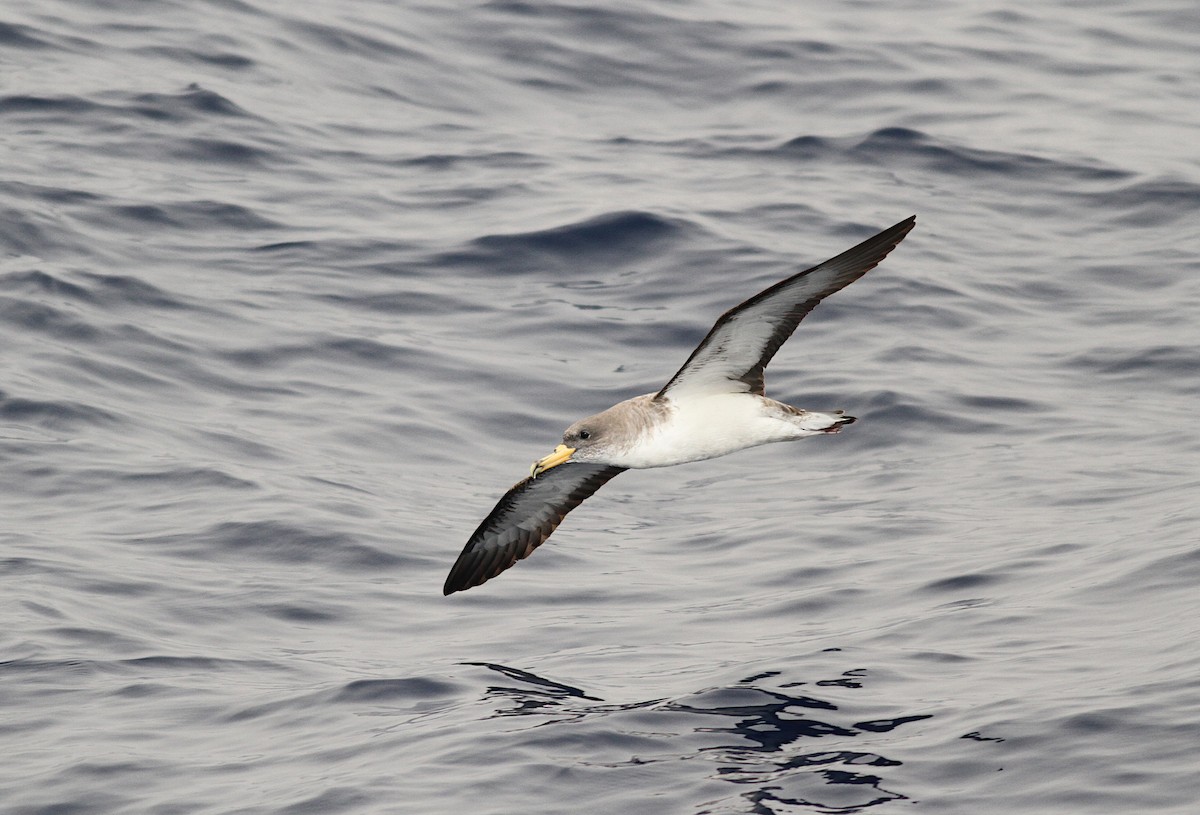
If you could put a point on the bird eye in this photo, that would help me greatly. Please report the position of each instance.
(585, 434)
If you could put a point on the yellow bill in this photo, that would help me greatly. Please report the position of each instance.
(561, 453)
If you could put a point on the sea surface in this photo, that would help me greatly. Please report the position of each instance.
(291, 293)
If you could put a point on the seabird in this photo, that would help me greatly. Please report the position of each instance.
(712, 406)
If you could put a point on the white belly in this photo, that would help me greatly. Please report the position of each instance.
(709, 426)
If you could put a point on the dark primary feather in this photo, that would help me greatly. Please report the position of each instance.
(523, 519)
(741, 343)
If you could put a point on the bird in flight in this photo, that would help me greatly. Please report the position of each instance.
(712, 406)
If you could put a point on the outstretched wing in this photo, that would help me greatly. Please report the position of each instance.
(523, 519)
(737, 349)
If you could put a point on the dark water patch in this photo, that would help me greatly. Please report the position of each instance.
(54, 415)
(294, 247)
(289, 612)
(99, 770)
(903, 415)
(14, 35)
(145, 690)
(408, 302)
(940, 657)
(56, 106)
(937, 301)
(695, 147)
(156, 349)
(905, 354)
(564, 50)
(962, 582)
(508, 159)
(65, 45)
(819, 605)
(117, 290)
(197, 58)
(170, 478)
(193, 215)
(604, 237)
(325, 482)
(36, 234)
(1177, 571)
(330, 802)
(900, 146)
(119, 588)
(790, 50)
(61, 670)
(136, 666)
(193, 103)
(1170, 367)
(1095, 723)
(98, 801)
(331, 259)
(670, 332)
(43, 610)
(346, 351)
(377, 691)
(356, 350)
(1133, 277)
(37, 282)
(21, 565)
(343, 40)
(287, 707)
(110, 374)
(79, 636)
(992, 404)
(798, 86)
(202, 665)
(237, 447)
(224, 151)
(809, 148)
(897, 143)
(1152, 203)
(276, 542)
(48, 194)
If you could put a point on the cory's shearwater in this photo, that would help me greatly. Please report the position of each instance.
(712, 406)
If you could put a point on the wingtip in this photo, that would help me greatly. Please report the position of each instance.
(901, 227)
(456, 581)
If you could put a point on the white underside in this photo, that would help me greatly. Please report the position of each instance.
(700, 427)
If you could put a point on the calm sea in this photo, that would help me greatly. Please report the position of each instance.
(291, 293)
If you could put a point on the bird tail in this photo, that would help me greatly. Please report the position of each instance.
(826, 422)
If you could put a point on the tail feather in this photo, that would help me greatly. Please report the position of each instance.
(827, 421)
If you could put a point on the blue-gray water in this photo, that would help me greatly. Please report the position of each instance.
(291, 293)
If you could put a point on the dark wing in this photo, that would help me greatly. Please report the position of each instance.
(523, 519)
(737, 349)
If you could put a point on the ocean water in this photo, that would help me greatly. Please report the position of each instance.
(291, 293)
